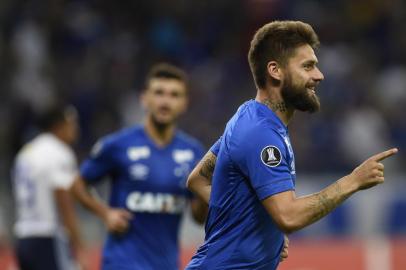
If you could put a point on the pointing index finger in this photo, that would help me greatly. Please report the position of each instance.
(385, 154)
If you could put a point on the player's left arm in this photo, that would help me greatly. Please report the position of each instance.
(66, 209)
(61, 170)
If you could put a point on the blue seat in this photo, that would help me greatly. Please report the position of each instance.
(339, 221)
(397, 216)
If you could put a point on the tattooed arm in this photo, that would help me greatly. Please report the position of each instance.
(199, 182)
(291, 213)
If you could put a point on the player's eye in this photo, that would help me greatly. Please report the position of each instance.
(308, 66)
(158, 92)
(175, 94)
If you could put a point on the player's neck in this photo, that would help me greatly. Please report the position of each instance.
(275, 102)
(160, 134)
(61, 136)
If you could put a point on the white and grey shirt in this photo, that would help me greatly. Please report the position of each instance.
(43, 165)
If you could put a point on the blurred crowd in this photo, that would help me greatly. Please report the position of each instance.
(94, 54)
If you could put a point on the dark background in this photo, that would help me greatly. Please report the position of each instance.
(95, 54)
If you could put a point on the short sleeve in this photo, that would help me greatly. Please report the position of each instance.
(266, 163)
(216, 147)
(62, 169)
(99, 163)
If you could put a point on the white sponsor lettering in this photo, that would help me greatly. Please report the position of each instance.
(181, 156)
(136, 153)
(155, 202)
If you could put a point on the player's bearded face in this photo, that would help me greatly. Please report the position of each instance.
(300, 94)
(165, 100)
(300, 80)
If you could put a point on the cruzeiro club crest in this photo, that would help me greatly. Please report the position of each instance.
(271, 156)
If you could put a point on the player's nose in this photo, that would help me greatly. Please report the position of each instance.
(318, 75)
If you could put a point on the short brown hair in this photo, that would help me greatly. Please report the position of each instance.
(166, 71)
(277, 41)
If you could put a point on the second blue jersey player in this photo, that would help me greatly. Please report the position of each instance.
(148, 166)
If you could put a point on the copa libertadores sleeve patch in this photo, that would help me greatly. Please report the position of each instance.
(271, 156)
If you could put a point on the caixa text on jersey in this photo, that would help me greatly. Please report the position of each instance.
(155, 202)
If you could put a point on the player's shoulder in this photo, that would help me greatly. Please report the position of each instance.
(259, 125)
(47, 144)
(188, 140)
(240, 121)
(264, 121)
(249, 115)
(121, 135)
(115, 139)
(262, 131)
(50, 142)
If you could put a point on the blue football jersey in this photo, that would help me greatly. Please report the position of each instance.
(254, 161)
(149, 181)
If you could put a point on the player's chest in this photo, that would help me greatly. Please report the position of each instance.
(147, 166)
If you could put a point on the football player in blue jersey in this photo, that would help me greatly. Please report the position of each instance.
(248, 176)
(148, 165)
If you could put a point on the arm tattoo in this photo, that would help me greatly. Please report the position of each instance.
(275, 106)
(207, 163)
(325, 202)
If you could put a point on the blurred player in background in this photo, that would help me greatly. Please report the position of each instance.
(148, 165)
(43, 172)
(252, 202)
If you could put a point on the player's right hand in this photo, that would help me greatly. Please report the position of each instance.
(285, 253)
(371, 172)
(117, 220)
(82, 260)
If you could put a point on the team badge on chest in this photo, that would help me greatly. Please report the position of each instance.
(139, 171)
(136, 153)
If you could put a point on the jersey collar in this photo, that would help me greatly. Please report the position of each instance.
(152, 143)
(271, 115)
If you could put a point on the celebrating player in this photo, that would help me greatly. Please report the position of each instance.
(148, 166)
(252, 202)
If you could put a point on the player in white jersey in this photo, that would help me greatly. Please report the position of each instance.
(43, 172)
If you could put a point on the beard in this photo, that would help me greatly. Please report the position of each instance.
(160, 124)
(299, 97)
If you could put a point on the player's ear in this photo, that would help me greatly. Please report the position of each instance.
(185, 98)
(274, 70)
(185, 104)
(143, 98)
